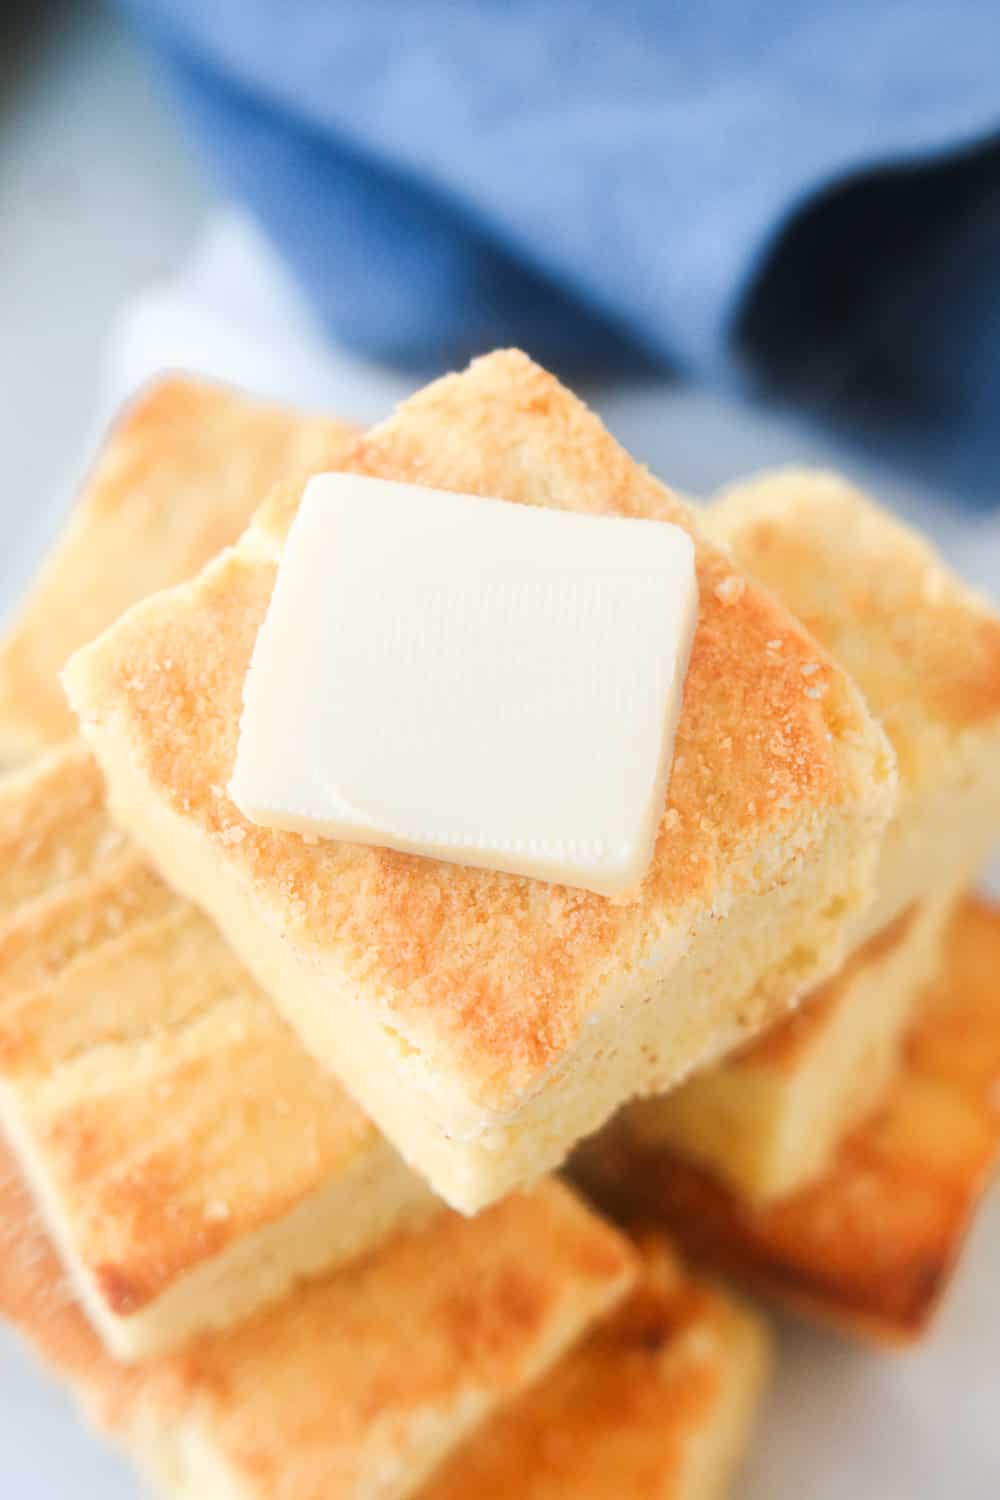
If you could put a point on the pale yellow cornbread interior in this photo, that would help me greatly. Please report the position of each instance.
(769, 1118)
(948, 826)
(923, 647)
(191, 1160)
(784, 934)
(487, 1021)
(178, 477)
(870, 1245)
(655, 1404)
(359, 1383)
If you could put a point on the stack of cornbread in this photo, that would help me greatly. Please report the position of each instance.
(836, 1161)
(278, 1110)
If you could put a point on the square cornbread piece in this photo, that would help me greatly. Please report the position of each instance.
(356, 1386)
(769, 1118)
(487, 1021)
(657, 1403)
(871, 1244)
(179, 476)
(926, 653)
(191, 1159)
(921, 645)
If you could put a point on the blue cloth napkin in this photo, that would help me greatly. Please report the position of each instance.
(794, 196)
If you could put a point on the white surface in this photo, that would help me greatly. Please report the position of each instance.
(492, 642)
(841, 1421)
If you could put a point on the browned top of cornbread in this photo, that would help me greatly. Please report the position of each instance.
(493, 973)
(625, 1412)
(168, 1107)
(37, 807)
(179, 476)
(922, 646)
(336, 1382)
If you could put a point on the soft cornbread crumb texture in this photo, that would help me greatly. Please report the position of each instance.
(191, 1158)
(921, 645)
(359, 1384)
(769, 1118)
(453, 1000)
(656, 1404)
(870, 1246)
(179, 477)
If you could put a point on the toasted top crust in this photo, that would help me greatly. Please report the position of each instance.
(53, 826)
(491, 975)
(171, 1110)
(179, 477)
(922, 646)
(622, 1413)
(343, 1378)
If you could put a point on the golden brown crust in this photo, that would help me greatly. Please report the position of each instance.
(179, 477)
(36, 807)
(171, 1146)
(342, 1378)
(492, 973)
(922, 646)
(36, 1299)
(167, 1108)
(41, 940)
(871, 1244)
(622, 1413)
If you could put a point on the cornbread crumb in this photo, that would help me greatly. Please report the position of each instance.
(730, 590)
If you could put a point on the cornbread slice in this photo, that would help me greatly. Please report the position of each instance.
(769, 1118)
(921, 645)
(656, 1404)
(487, 1021)
(871, 1244)
(192, 1161)
(356, 1386)
(926, 652)
(179, 477)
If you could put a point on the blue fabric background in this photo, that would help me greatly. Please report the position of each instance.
(797, 196)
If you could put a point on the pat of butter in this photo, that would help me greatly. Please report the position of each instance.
(485, 683)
